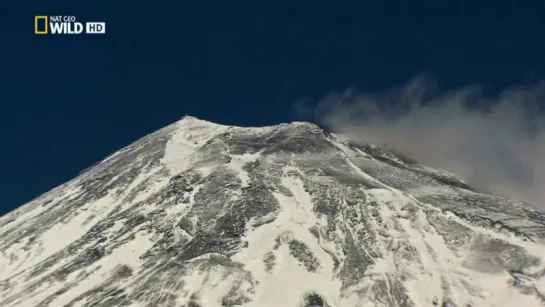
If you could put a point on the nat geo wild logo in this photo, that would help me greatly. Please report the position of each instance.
(48, 25)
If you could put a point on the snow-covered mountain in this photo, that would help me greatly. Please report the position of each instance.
(200, 214)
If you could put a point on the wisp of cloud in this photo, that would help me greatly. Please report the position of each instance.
(495, 144)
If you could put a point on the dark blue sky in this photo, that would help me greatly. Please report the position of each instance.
(68, 101)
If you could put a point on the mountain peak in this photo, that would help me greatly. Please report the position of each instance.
(189, 120)
(202, 214)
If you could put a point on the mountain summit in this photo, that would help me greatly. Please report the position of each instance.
(199, 214)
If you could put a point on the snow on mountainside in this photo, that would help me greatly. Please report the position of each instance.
(199, 214)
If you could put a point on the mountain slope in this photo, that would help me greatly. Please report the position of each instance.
(200, 214)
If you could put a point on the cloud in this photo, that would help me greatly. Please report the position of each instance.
(497, 144)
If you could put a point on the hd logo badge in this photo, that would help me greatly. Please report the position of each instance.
(47, 25)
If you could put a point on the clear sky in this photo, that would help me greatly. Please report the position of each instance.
(68, 101)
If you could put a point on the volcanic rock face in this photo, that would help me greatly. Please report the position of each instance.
(199, 214)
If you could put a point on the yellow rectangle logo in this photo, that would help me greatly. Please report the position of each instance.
(37, 28)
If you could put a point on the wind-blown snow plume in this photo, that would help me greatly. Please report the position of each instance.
(496, 144)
